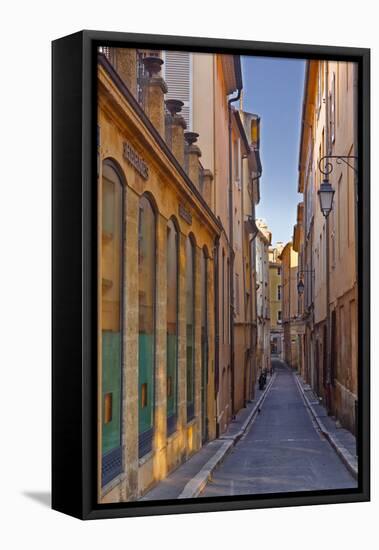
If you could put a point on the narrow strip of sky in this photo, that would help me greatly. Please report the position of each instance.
(273, 89)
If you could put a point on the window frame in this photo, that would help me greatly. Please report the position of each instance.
(145, 439)
(112, 461)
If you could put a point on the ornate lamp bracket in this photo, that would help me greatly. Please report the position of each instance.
(328, 166)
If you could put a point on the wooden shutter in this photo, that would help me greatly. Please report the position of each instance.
(177, 70)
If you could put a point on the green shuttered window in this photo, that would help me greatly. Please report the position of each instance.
(146, 329)
(111, 321)
(172, 325)
(190, 327)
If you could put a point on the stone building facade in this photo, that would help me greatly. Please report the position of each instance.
(262, 243)
(156, 235)
(292, 323)
(330, 128)
(171, 371)
(229, 143)
(275, 278)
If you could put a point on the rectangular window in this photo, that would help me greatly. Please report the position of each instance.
(339, 216)
(236, 161)
(190, 327)
(279, 271)
(237, 292)
(333, 109)
(279, 317)
(144, 396)
(177, 72)
(279, 292)
(107, 408)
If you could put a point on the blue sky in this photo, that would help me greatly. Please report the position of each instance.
(273, 89)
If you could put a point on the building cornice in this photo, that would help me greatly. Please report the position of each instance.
(111, 83)
(310, 82)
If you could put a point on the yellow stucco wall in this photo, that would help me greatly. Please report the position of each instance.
(118, 121)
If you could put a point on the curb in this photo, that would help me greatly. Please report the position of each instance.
(197, 484)
(347, 458)
(236, 437)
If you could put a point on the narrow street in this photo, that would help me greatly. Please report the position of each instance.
(282, 451)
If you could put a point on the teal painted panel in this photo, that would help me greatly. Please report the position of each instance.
(171, 373)
(145, 377)
(111, 384)
(190, 366)
(204, 382)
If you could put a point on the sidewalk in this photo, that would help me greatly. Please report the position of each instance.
(342, 440)
(190, 478)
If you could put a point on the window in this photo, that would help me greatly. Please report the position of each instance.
(172, 325)
(319, 86)
(190, 327)
(236, 160)
(332, 100)
(279, 317)
(146, 325)
(237, 293)
(177, 72)
(340, 217)
(279, 271)
(111, 320)
(279, 291)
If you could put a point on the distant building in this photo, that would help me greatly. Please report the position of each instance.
(290, 305)
(263, 241)
(276, 290)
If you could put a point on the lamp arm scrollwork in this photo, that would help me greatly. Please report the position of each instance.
(328, 165)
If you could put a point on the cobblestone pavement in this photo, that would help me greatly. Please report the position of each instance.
(283, 451)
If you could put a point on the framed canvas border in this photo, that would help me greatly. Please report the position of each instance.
(74, 273)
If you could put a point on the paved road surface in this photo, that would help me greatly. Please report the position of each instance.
(282, 451)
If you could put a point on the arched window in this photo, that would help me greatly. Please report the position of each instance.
(146, 325)
(190, 327)
(172, 325)
(204, 343)
(111, 320)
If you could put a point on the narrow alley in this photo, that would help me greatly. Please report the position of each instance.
(282, 451)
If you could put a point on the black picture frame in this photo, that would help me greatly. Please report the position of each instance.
(74, 332)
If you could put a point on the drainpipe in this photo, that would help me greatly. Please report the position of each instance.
(217, 329)
(231, 245)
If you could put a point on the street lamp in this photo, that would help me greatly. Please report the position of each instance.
(325, 195)
(326, 191)
(300, 279)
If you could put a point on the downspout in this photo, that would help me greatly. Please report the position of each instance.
(217, 329)
(231, 245)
